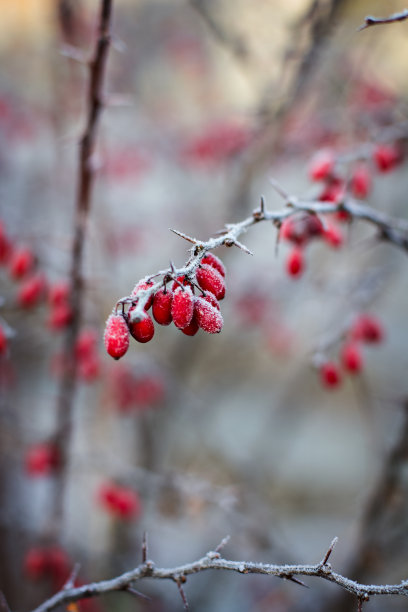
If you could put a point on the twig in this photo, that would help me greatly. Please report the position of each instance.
(371, 21)
(68, 382)
(211, 561)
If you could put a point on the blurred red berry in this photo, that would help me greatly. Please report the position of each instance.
(59, 293)
(142, 331)
(210, 279)
(6, 248)
(42, 459)
(22, 261)
(367, 328)
(121, 502)
(60, 316)
(182, 307)
(333, 235)
(360, 183)
(295, 262)
(351, 357)
(3, 340)
(387, 157)
(116, 336)
(89, 368)
(86, 343)
(334, 191)
(58, 565)
(31, 291)
(322, 165)
(161, 309)
(35, 563)
(330, 375)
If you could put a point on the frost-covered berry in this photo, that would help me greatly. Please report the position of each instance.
(333, 236)
(161, 309)
(116, 336)
(141, 285)
(322, 165)
(142, 331)
(295, 262)
(210, 279)
(207, 316)
(215, 262)
(352, 358)
(330, 375)
(22, 261)
(182, 307)
(210, 297)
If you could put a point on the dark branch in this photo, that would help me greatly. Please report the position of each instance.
(371, 21)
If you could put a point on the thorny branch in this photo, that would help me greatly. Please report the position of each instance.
(213, 561)
(389, 229)
(370, 21)
(86, 169)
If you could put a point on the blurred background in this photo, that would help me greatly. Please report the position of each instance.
(206, 101)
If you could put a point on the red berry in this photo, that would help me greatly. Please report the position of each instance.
(6, 248)
(367, 328)
(22, 262)
(330, 375)
(3, 340)
(301, 228)
(351, 358)
(42, 459)
(210, 297)
(192, 328)
(210, 279)
(322, 165)
(142, 331)
(86, 343)
(147, 391)
(182, 280)
(161, 309)
(116, 336)
(182, 307)
(59, 293)
(119, 501)
(31, 291)
(58, 565)
(60, 316)
(215, 262)
(140, 286)
(334, 191)
(295, 262)
(35, 563)
(207, 316)
(361, 181)
(386, 157)
(333, 236)
(89, 368)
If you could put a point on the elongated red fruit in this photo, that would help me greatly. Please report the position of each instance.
(210, 297)
(116, 336)
(210, 279)
(142, 331)
(215, 262)
(192, 328)
(207, 316)
(182, 307)
(161, 309)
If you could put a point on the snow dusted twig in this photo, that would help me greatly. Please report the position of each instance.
(213, 561)
(371, 21)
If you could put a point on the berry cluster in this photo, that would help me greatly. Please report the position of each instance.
(119, 501)
(366, 329)
(47, 562)
(176, 303)
(133, 391)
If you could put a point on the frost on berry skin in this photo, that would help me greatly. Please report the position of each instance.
(161, 308)
(352, 358)
(141, 285)
(210, 279)
(322, 165)
(142, 331)
(295, 263)
(116, 336)
(182, 307)
(215, 262)
(367, 328)
(211, 299)
(330, 375)
(207, 316)
(22, 261)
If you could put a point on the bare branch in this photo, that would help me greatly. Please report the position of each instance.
(212, 561)
(371, 21)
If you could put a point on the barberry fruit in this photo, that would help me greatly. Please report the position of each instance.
(3, 340)
(386, 157)
(58, 293)
(142, 331)
(42, 459)
(192, 328)
(330, 375)
(360, 183)
(207, 316)
(141, 285)
(211, 299)
(60, 316)
(215, 262)
(295, 262)
(121, 502)
(367, 328)
(351, 358)
(182, 307)
(116, 336)
(210, 279)
(333, 236)
(35, 563)
(161, 309)
(31, 291)
(22, 261)
(322, 165)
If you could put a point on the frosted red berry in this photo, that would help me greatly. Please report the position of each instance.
(322, 165)
(211, 299)
(22, 261)
(161, 308)
(352, 358)
(141, 285)
(330, 375)
(192, 328)
(367, 328)
(207, 316)
(210, 279)
(182, 307)
(142, 331)
(295, 262)
(116, 336)
(215, 262)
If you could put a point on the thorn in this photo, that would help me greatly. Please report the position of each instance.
(133, 591)
(223, 543)
(181, 591)
(329, 552)
(279, 189)
(72, 577)
(188, 238)
(144, 547)
(296, 581)
(242, 247)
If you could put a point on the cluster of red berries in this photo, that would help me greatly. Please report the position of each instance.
(134, 392)
(50, 562)
(217, 143)
(366, 329)
(119, 501)
(178, 304)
